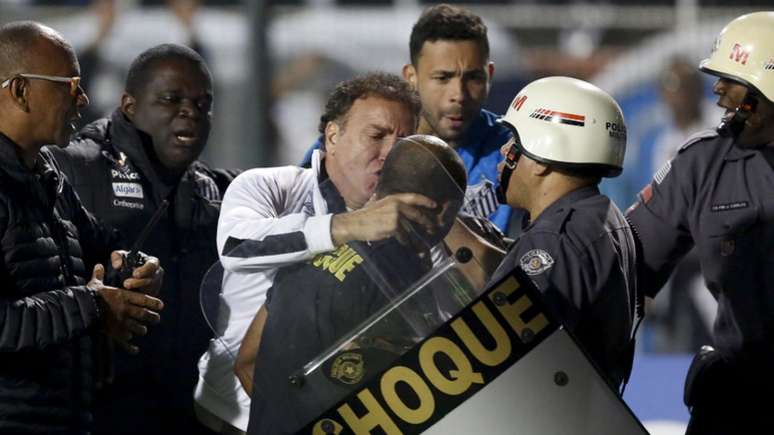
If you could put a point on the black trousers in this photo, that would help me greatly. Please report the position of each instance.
(728, 397)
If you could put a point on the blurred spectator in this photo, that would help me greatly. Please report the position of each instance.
(682, 321)
(682, 114)
(101, 73)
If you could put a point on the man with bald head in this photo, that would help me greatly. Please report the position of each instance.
(49, 305)
(338, 298)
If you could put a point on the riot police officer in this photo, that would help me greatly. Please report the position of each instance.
(718, 194)
(578, 249)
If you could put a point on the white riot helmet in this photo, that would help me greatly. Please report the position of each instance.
(744, 52)
(570, 124)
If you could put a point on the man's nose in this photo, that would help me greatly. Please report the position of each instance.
(720, 87)
(457, 91)
(82, 99)
(188, 108)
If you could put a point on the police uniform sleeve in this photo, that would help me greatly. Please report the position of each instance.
(659, 218)
(256, 231)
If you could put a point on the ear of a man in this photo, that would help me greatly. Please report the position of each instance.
(128, 105)
(540, 169)
(331, 136)
(410, 75)
(20, 94)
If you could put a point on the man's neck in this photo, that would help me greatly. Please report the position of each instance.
(425, 128)
(550, 191)
(27, 153)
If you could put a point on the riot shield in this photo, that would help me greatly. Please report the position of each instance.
(325, 296)
(503, 365)
(405, 335)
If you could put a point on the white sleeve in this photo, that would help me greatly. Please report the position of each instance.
(262, 223)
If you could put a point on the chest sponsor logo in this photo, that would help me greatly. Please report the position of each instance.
(730, 206)
(769, 65)
(128, 190)
(536, 261)
(124, 175)
(128, 204)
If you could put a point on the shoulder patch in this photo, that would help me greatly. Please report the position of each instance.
(698, 137)
(659, 176)
(536, 261)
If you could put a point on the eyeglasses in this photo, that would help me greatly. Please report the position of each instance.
(75, 82)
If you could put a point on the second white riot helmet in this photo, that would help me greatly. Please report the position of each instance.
(570, 124)
(744, 52)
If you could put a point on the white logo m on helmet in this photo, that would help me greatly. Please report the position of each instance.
(569, 123)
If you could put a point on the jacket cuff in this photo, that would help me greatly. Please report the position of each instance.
(88, 300)
(317, 231)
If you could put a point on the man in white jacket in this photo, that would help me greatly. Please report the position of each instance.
(272, 217)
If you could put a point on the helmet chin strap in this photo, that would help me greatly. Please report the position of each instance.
(511, 159)
(732, 127)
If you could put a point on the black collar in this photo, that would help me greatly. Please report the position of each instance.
(126, 138)
(43, 174)
(565, 203)
(330, 194)
(10, 162)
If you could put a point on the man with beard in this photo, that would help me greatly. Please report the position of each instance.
(451, 71)
(717, 195)
(49, 314)
(341, 289)
(123, 167)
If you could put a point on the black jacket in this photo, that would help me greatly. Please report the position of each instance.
(109, 168)
(49, 244)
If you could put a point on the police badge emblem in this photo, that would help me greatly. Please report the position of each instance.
(348, 368)
(536, 261)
